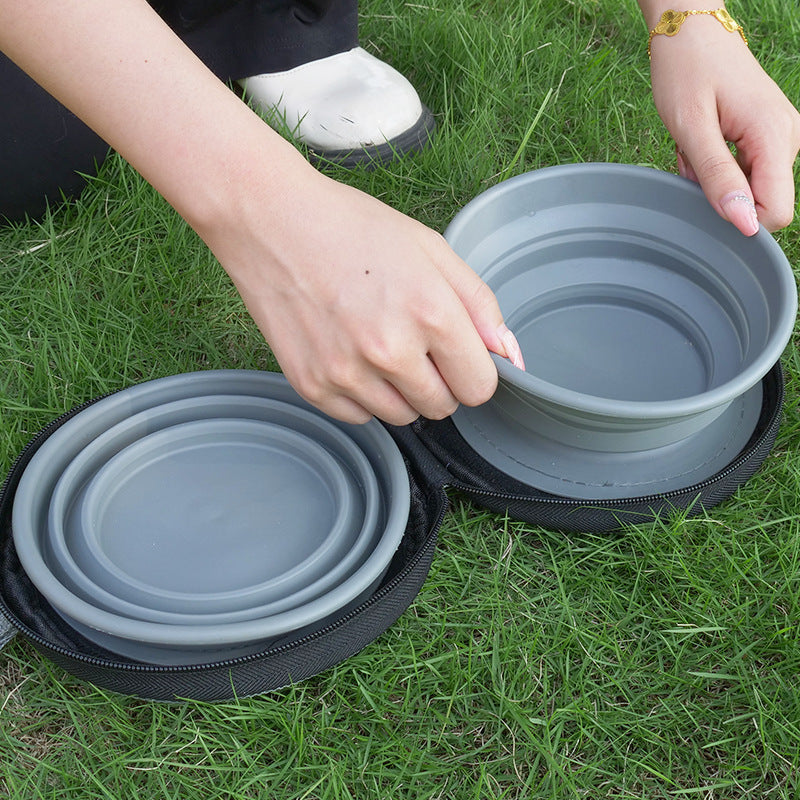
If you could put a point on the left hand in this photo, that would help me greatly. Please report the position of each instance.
(710, 90)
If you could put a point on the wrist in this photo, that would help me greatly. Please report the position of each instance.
(231, 170)
(653, 9)
(253, 203)
(672, 22)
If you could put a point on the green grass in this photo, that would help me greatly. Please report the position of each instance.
(660, 662)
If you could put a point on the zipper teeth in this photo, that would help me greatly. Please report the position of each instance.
(428, 545)
(153, 668)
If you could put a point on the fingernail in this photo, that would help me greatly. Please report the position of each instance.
(511, 345)
(741, 211)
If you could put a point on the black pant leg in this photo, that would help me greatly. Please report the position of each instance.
(44, 147)
(239, 39)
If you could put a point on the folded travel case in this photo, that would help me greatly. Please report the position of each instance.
(438, 462)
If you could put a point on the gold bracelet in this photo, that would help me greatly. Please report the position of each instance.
(671, 21)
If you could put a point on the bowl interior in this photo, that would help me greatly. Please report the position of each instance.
(616, 320)
(628, 294)
(218, 543)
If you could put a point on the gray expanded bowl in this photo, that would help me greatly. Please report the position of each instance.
(641, 314)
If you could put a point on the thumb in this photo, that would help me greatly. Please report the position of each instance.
(482, 307)
(722, 179)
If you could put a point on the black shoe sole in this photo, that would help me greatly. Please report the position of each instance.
(410, 141)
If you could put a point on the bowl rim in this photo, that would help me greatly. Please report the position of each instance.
(358, 463)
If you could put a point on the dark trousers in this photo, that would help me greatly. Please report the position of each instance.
(44, 148)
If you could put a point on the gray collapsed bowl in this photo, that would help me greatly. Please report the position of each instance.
(641, 314)
(116, 571)
(190, 644)
(247, 452)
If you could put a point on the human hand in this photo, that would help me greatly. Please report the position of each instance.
(710, 90)
(367, 311)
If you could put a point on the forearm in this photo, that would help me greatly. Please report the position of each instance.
(121, 69)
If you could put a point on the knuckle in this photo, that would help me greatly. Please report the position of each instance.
(355, 416)
(776, 220)
(443, 409)
(483, 297)
(314, 386)
(345, 377)
(325, 397)
(785, 219)
(480, 390)
(691, 113)
(312, 391)
(437, 240)
(714, 166)
(436, 401)
(399, 417)
(388, 356)
(438, 327)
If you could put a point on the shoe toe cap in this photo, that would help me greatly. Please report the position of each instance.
(346, 101)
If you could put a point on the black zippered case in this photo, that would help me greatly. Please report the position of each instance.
(438, 461)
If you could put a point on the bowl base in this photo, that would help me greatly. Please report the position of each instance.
(580, 474)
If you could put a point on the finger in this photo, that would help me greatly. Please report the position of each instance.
(343, 408)
(382, 401)
(685, 169)
(725, 185)
(425, 390)
(483, 310)
(387, 403)
(469, 373)
(772, 184)
(330, 394)
(460, 356)
(482, 307)
(456, 351)
(372, 396)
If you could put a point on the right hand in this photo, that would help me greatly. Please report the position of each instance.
(709, 90)
(367, 311)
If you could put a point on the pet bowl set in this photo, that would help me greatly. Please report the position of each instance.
(210, 534)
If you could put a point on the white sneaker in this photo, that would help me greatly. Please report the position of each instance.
(349, 108)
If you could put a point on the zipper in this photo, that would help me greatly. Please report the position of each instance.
(401, 576)
(427, 546)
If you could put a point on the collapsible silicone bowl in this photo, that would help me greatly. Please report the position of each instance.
(188, 644)
(151, 520)
(125, 562)
(642, 315)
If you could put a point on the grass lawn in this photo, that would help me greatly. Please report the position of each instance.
(660, 662)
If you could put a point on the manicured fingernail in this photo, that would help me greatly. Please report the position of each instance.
(511, 345)
(741, 211)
